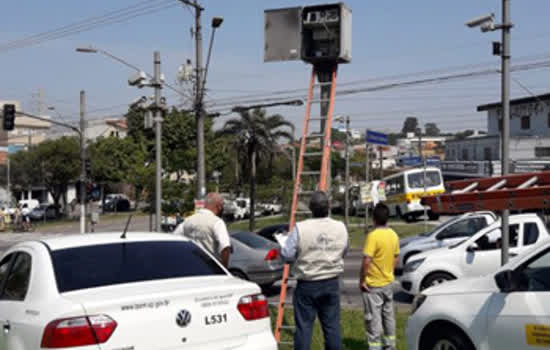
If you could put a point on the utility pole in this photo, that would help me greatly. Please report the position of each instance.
(367, 179)
(199, 116)
(346, 194)
(381, 155)
(82, 162)
(506, 29)
(157, 85)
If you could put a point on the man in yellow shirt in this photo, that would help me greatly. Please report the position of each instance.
(381, 254)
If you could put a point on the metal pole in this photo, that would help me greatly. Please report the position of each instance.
(158, 143)
(201, 172)
(82, 162)
(367, 177)
(8, 185)
(346, 193)
(324, 107)
(381, 155)
(506, 23)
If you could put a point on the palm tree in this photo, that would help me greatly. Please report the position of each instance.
(258, 135)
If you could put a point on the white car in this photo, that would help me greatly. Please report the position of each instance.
(476, 256)
(508, 309)
(145, 291)
(448, 233)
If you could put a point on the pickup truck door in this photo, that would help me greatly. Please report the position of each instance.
(521, 319)
(485, 258)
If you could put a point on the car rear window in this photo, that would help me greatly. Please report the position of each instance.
(127, 262)
(252, 240)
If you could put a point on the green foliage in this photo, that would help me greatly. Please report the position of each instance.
(431, 129)
(410, 125)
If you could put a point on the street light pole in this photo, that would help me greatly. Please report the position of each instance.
(346, 193)
(506, 28)
(199, 117)
(82, 163)
(158, 142)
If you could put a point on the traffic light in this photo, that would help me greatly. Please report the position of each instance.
(9, 117)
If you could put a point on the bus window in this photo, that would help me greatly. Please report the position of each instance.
(416, 180)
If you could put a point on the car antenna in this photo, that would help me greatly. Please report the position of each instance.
(126, 228)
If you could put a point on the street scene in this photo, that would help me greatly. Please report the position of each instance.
(202, 174)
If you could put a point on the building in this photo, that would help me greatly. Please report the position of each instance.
(529, 138)
(430, 145)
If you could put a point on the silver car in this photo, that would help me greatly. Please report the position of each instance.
(450, 232)
(256, 259)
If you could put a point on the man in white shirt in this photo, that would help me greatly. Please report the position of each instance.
(207, 229)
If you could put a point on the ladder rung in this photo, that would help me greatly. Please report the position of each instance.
(323, 84)
(288, 327)
(273, 303)
(311, 173)
(286, 342)
(313, 136)
(313, 154)
(306, 193)
(303, 212)
(318, 118)
(321, 100)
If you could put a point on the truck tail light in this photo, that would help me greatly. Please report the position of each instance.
(78, 331)
(253, 307)
(273, 254)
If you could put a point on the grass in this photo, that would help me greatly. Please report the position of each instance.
(353, 330)
(357, 234)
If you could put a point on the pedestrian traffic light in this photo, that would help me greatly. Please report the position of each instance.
(9, 117)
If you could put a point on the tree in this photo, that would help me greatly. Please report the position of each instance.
(410, 125)
(431, 129)
(258, 135)
(59, 162)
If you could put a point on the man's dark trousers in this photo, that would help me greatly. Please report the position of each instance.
(317, 298)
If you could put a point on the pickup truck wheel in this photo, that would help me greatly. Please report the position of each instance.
(447, 339)
(435, 279)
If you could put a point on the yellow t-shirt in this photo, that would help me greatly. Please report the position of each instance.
(382, 246)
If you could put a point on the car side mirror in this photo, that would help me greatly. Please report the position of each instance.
(472, 247)
(505, 281)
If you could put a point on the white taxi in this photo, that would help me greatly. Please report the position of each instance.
(145, 291)
(509, 309)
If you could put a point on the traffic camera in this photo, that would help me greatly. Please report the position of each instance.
(139, 79)
(9, 117)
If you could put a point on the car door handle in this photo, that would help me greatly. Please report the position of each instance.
(513, 254)
(6, 327)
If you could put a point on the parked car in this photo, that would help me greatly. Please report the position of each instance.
(117, 202)
(476, 256)
(448, 233)
(255, 258)
(506, 309)
(31, 203)
(50, 210)
(235, 210)
(271, 208)
(270, 231)
(105, 291)
(169, 223)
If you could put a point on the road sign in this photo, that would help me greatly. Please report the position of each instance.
(377, 138)
(12, 149)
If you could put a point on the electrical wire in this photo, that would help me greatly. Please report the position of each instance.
(118, 16)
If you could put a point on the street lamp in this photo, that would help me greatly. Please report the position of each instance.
(141, 80)
(486, 24)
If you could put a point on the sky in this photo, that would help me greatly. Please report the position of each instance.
(392, 41)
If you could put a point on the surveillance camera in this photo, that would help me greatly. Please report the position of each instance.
(138, 102)
(139, 79)
(487, 27)
(476, 22)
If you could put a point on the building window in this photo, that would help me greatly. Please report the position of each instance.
(487, 153)
(525, 122)
(542, 152)
(500, 124)
(465, 154)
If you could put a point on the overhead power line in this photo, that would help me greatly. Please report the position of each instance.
(140, 9)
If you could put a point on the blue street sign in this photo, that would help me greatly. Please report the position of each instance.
(417, 161)
(15, 148)
(377, 138)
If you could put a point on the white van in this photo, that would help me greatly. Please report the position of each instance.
(31, 203)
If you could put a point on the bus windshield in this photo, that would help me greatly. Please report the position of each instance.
(416, 180)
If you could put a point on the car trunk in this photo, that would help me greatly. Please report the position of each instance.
(146, 313)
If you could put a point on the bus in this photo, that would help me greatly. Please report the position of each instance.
(405, 189)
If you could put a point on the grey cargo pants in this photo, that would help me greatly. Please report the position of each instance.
(379, 318)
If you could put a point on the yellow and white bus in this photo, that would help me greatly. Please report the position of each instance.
(404, 191)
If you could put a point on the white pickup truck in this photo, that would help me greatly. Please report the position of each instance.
(475, 256)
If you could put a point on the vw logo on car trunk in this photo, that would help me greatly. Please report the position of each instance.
(183, 318)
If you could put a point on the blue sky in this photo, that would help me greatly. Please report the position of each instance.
(390, 38)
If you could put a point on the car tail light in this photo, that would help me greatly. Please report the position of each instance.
(253, 307)
(78, 331)
(273, 254)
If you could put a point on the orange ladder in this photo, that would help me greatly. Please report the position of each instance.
(327, 76)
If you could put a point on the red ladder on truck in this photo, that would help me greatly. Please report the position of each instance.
(330, 73)
(526, 191)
